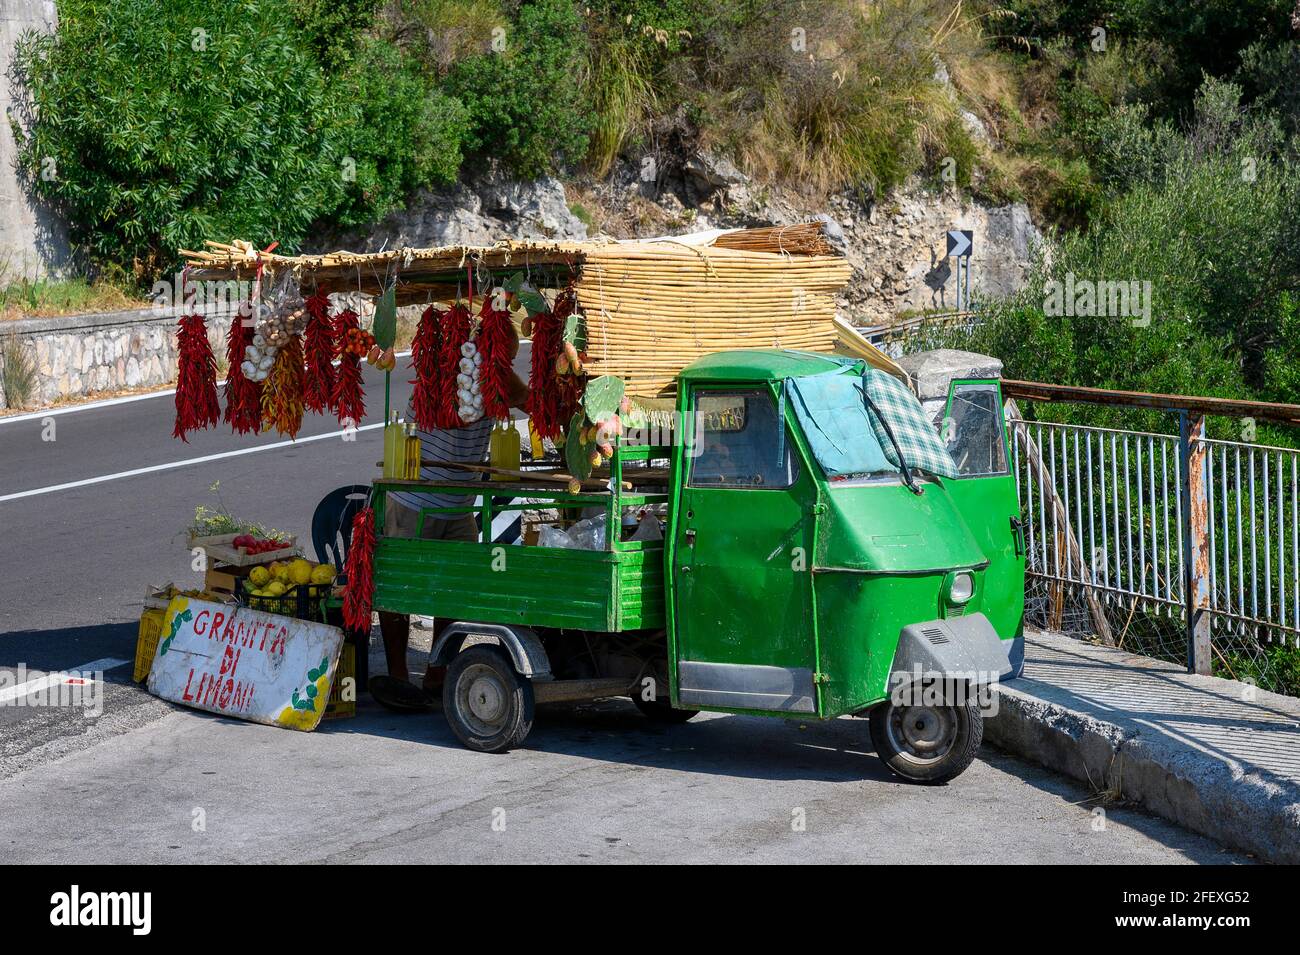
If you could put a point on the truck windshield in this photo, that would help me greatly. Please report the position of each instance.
(832, 411)
(740, 442)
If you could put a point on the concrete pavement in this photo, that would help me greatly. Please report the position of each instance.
(1217, 756)
(598, 783)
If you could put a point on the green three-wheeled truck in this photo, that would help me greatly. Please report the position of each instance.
(803, 570)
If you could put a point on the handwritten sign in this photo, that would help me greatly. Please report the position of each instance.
(244, 663)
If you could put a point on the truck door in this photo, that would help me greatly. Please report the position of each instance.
(742, 620)
(974, 427)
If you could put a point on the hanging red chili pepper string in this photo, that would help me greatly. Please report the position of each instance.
(196, 376)
(428, 384)
(359, 598)
(495, 340)
(348, 398)
(243, 395)
(455, 332)
(321, 350)
(543, 400)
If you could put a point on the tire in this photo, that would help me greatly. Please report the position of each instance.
(486, 703)
(927, 744)
(662, 712)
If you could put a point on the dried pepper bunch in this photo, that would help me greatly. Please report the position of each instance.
(429, 382)
(543, 404)
(321, 346)
(196, 380)
(495, 341)
(282, 394)
(456, 327)
(359, 599)
(348, 399)
(243, 395)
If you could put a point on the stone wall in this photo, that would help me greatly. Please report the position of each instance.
(33, 241)
(898, 249)
(86, 354)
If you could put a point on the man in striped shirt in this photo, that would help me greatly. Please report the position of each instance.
(467, 444)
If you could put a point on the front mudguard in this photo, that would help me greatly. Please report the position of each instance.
(955, 651)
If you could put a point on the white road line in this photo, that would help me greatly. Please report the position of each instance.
(54, 679)
(88, 406)
(108, 402)
(153, 468)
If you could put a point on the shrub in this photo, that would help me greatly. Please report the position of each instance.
(161, 124)
(525, 102)
(17, 372)
(1211, 230)
(396, 131)
(331, 27)
(834, 94)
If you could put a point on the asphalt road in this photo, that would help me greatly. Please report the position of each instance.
(595, 783)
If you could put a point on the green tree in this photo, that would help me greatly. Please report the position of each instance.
(161, 124)
(524, 100)
(397, 131)
(1210, 225)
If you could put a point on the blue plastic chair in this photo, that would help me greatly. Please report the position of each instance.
(331, 525)
(331, 536)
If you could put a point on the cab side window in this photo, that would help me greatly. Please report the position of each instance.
(739, 441)
(974, 432)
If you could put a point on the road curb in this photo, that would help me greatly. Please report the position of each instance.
(1246, 810)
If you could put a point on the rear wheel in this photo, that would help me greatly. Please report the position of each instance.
(927, 743)
(487, 704)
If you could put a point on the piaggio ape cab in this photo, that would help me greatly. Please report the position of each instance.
(811, 566)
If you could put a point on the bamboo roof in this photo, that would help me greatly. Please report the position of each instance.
(652, 306)
(368, 272)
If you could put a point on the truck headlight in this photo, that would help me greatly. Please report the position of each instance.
(962, 588)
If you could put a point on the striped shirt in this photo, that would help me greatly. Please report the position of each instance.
(468, 444)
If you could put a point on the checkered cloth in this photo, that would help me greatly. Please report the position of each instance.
(921, 445)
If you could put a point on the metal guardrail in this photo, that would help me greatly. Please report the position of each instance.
(1179, 546)
(891, 339)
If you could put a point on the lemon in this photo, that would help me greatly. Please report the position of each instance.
(322, 574)
(275, 588)
(300, 571)
(280, 572)
(259, 576)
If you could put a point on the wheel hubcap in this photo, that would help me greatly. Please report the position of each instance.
(482, 696)
(923, 733)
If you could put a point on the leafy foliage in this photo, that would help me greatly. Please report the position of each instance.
(397, 131)
(1209, 222)
(331, 27)
(161, 124)
(525, 101)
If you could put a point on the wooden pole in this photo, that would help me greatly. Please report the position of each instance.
(1073, 552)
(1196, 543)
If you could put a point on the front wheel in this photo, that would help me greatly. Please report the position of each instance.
(927, 743)
(486, 703)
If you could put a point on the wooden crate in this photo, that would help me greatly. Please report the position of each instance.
(220, 549)
(220, 578)
(337, 707)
